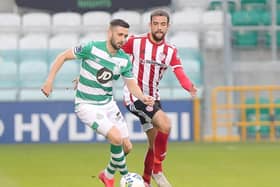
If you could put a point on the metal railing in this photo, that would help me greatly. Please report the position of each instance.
(241, 113)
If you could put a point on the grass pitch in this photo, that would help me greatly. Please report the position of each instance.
(187, 164)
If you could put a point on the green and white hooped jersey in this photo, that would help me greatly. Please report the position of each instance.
(98, 70)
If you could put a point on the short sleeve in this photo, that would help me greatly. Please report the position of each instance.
(126, 71)
(82, 51)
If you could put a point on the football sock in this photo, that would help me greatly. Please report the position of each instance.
(117, 161)
(160, 150)
(148, 165)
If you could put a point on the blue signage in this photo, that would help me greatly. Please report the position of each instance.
(56, 122)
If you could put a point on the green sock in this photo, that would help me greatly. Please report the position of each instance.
(118, 160)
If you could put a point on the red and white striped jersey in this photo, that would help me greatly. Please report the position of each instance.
(150, 60)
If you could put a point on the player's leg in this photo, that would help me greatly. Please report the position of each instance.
(127, 146)
(163, 125)
(145, 115)
(118, 138)
(99, 118)
(149, 157)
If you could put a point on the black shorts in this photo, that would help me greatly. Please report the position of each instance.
(144, 112)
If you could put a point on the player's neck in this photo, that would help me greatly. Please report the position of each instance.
(111, 50)
(153, 40)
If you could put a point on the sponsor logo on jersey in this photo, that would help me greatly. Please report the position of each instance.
(104, 75)
(78, 49)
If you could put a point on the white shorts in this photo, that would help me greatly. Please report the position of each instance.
(102, 118)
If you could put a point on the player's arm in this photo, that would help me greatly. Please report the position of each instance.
(137, 92)
(184, 80)
(60, 59)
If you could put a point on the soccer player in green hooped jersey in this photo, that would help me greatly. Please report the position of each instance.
(102, 62)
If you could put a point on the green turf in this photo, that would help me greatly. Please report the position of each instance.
(187, 164)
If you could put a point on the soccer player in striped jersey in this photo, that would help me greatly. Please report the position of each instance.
(103, 62)
(151, 56)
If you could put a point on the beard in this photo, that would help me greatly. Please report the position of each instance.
(158, 38)
(115, 45)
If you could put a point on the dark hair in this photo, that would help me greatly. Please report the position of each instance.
(119, 22)
(160, 13)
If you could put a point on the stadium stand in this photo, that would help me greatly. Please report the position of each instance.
(187, 19)
(10, 22)
(252, 116)
(36, 22)
(197, 29)
(187, 39)
(33, 47)
(60, 42)
(8, 81)
(132, 17)
(95, 21)
(8, 47)
(92, 36)
(66, 22)
(32, 74)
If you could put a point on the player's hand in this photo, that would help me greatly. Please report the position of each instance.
(148, 100)
(47, 89)
(75, 82)
(193, 91)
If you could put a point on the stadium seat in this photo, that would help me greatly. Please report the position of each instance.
(251, 116)
(213, 39)
(245, 39)
(38, 22)
(213, 20)
(266, 17)
(132, 17)
(183, 4)
(95, 21)
(193, 70)
(8, 75)
(32, 74)
(268, 39)
(187, 20)
(185, 39)
(253, 4)
(62, 95)
(277, 109)
(33, 47)
(192, 63)
(217, 5)
(277, 116)
(145, 21)
(31, 94)
(66, 22)
(7, 95)
(96, 36)
(8, 47)
(10, 23)
(252, 1)
(61, 42)
(246, 18)
(67, 73)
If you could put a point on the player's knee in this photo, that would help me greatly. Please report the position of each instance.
(116, 140)
(164, 124)
(127, 147)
